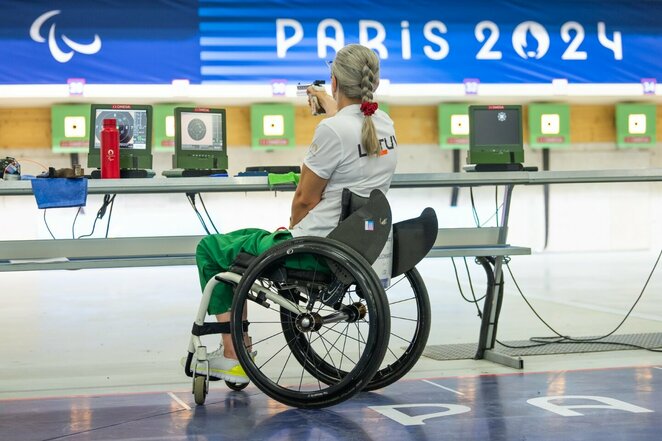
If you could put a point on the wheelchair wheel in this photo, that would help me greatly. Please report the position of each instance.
(297, 331)
(236, 386)
(410, 327)
(409, 305)
(200, 389)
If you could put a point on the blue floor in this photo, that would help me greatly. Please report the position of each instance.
(608, 404)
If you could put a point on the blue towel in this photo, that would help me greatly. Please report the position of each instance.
(60, 192)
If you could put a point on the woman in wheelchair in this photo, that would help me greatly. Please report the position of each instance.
(354, 148)
(313, 282)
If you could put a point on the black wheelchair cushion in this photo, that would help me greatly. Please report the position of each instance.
(367, 228)
(412, 241)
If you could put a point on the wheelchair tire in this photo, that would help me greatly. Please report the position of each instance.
(349, 351)
(410, 328)
(200, 389)
(236, 386)
(409, 306)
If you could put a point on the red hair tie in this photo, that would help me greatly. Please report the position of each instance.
(368, 108)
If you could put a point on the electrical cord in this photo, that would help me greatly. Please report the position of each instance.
(471, 285)
(459, 287)
(474, 211)
(46, 223)
(496, 213)
(191, 200)
(207, 213)
(107, 200)
(110, 215)
(559, 338)
(73, 224)
(473, 207)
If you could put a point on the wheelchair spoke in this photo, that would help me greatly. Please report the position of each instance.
(321, 338)
(328, 352)
(390, 351)
(284, 366)
(350, 337)
(402, 277)
(403, 300)
(405, 340)
(404, 318)
(267, 338)
(272, 357)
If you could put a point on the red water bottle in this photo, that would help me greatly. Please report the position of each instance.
(110, 149)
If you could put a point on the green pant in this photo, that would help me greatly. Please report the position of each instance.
(215, 253)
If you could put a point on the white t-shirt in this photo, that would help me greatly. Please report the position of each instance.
(336, 154)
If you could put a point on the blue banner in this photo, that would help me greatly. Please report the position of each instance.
(108, 42)
(208, 41)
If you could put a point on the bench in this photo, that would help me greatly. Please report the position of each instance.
(49, 254)
(125, 252)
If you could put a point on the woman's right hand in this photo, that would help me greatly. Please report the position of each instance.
(325, 100)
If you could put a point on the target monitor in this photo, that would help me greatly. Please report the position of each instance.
(200, 139)
(495, 135)
(134, 124)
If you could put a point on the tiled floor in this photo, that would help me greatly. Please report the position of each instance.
(94, 354)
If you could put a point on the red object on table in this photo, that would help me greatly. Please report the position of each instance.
(110, 150)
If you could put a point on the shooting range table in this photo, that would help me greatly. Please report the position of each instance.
(89, 253)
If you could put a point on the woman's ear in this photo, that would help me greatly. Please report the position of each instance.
(334, 86)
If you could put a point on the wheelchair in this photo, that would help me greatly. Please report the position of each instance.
(321, 321)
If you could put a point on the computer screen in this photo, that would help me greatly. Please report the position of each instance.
(496, 126)
(200, 139)
(132, 125)
(495, 135)
(202, 131)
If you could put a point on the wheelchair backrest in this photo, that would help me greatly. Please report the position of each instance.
(365, 225)
(412, 239)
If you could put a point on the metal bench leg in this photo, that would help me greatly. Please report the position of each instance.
(494, 299)
(490, 319)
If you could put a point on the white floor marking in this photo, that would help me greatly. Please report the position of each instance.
(655, 367)
(443, 387)
(179, 401)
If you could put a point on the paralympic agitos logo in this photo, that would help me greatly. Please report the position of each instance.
(59, 54)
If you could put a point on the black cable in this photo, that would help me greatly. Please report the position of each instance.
(473, 207)
(542, 341)
(471, 285)
(567, 339)
(459, 287)
(573, 341)
(537, 345)
(110, 215)
(474, 211)
(207, 213)
(191, 200)
(107, 200)
(496, 213)
(46, 223)
(73, 224)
